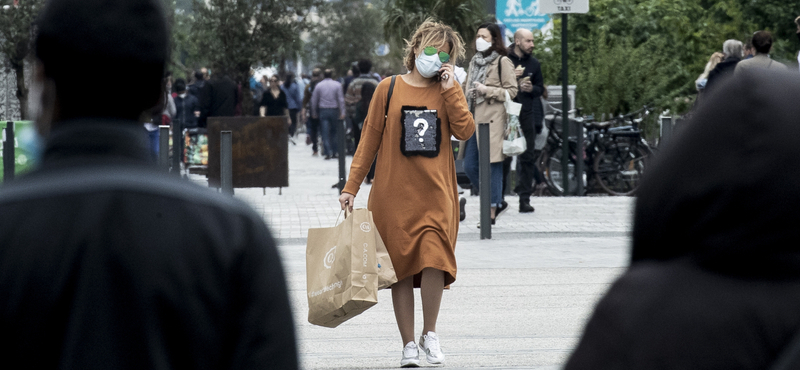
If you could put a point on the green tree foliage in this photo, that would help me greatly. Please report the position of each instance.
(236, 35)
(402, 17)
(348, 30)
(16, 41)
(627, 53)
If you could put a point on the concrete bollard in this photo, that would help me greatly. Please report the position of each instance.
(484, 167)
(163, 147)
(226, 161)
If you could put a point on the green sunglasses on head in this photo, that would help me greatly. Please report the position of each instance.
(443, 57)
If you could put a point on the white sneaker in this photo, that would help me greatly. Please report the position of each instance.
(410, 355)
(430, 345)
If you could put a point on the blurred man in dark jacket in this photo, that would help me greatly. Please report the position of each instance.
(218, 98)
(107, 262)
(714, 281)
(724, 69)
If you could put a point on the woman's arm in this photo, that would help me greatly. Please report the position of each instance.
(508, 82)
(371, 136)
(462, 125)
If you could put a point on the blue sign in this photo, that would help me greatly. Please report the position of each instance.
(516, 14)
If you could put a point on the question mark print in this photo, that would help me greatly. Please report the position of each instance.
(421, 122)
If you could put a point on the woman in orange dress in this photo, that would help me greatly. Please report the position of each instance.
(414, 197)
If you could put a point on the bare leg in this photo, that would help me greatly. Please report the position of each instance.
(493, 211)
(403, 302)
(431, 286)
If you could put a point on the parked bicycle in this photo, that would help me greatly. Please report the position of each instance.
(614, 153)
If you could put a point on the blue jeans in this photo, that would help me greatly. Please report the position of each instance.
(154, 144)
(471, 161)
(328, 120)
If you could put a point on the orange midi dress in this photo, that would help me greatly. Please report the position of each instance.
(414, 199)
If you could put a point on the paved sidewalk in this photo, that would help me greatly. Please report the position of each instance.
(310, 202)
(520, 301)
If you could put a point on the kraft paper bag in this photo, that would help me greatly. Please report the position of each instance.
(342, 270)
(386, 274)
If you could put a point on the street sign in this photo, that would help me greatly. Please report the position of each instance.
(563, 6)
(517, 14)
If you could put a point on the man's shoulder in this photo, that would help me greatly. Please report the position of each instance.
(55, 183)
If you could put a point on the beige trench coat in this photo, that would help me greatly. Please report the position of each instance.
(492, 110)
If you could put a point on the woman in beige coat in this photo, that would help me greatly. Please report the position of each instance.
(490, 76)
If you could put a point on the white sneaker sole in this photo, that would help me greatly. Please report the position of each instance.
(433, 360)
(412, 362)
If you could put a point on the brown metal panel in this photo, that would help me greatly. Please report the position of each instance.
(260, 151)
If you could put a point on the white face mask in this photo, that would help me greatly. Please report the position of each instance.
(182, 95)
(482, 45)
(428, 65)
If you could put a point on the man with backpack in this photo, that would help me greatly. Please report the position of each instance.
(358, 97)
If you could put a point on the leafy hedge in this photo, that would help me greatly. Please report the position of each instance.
(627, 53)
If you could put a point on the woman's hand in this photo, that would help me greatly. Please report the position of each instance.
(479, 87)
(347, 199)
(448, 77)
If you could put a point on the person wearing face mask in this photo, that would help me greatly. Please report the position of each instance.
(414, 197)
(490, 76)
(531, 117)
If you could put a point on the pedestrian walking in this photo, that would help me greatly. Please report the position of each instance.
(294, 100)
(218, 98)
(490, 76)
(327, 105)
(197, 85)
(256, 90)
(706, 290)
(274, 99)
(312, 124)
(762, 43)
(187, 109)
(528, 72)
(358, 97)
(137, 269)
(414, 196)
(724, 69)
(713, 60)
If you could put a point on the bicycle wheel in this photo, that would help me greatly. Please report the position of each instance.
(552, 171)
(619, 168)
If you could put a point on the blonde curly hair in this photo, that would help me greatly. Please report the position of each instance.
(432, 33)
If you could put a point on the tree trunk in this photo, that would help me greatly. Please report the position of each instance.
(22, 90)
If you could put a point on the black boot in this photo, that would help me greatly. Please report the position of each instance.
(525, 206)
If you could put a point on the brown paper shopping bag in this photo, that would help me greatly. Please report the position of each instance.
(386, 274)
(341, 270)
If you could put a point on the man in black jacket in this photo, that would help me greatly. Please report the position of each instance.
(724, 69)
(218, 98)
(106, 262)
(531, 87)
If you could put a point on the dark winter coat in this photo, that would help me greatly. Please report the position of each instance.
(218, 98)
(714, 281)
(184, 111)
(532, 111)
(723, 70)
(107, 262)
